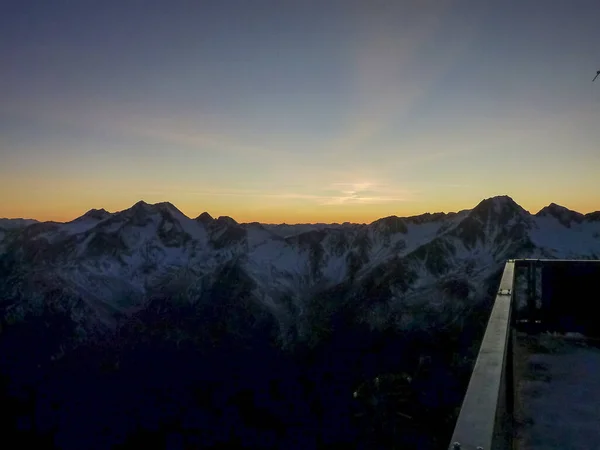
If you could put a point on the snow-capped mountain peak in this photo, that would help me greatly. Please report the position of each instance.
(94, 214)
(502, 209)
(564, 215)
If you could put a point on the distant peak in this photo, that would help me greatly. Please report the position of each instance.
(139, 213)
(501, 209)
(204, 218)
(227, 220)
(141, 206)
(95, 214)
(564, 215)
(498, 204)
(167, 207)
(498, 200)
(555, 208)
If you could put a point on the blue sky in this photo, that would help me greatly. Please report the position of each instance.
(297, 110)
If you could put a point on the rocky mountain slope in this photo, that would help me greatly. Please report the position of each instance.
(297, 316)
(104, 265)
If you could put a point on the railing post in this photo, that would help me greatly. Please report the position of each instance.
(531, 291)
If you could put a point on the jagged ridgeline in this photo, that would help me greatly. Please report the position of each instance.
(147, 328)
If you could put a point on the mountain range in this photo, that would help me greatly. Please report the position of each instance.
(150, 277)
(108, 264)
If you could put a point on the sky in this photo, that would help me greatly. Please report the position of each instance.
(297, 111)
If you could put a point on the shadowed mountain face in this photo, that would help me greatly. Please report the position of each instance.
(564, 216)
(145, 326)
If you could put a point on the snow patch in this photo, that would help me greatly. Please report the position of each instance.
(566, 242)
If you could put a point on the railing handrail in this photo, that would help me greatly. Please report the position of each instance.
(549, 262)
(478, 419)
(485, 417)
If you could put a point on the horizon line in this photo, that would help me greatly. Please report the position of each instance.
(292, 223)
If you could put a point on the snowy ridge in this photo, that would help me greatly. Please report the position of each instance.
(112, 262)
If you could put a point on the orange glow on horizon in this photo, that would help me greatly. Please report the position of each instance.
(271, 215)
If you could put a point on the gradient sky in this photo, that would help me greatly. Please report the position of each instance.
(297, 111)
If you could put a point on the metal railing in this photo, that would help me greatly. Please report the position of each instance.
(485, 420)
(480, 422)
